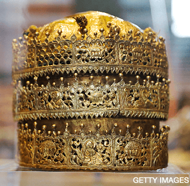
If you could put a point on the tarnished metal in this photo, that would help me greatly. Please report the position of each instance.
(101, 83)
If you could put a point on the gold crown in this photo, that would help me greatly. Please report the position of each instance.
(98, 70)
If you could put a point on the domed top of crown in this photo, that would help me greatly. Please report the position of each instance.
(92, 23)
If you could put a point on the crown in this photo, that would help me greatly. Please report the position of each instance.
(89, 92)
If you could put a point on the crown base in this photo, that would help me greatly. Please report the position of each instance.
(99, 151)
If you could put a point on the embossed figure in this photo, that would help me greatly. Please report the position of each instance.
(47, 149)
(104, 150)
(133, 153)
(95, 98)
(137, 100)
(44, 101)
(146, 94)
(137, 55)
(23, 100)
(69, 97)
(56, 101)
(109, 98)
(77, 156)
(91, 157)
(31, 100)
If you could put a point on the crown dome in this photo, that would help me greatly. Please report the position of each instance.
(95, 21)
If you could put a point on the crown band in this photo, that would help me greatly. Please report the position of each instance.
(130, 54)
(92, 99)
(65, 151)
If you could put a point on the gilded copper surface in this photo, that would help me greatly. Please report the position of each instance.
(89, 92)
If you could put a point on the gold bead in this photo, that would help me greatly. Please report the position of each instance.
(158, 76)
(54, 126)
(137, 77)
(85, 30)
(81, 125)
(35, 124)
(148, 77)
(101, 29)
(153, 126)
(120, 75)
(26, 125)
(44, 127)
(14, 41)
(139, 128)
(91, 77)
(98, 125)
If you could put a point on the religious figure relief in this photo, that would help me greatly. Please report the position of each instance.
(137, 100)
(120, 155)
(23, 99)
(76, 154)
(51, 150)
(68, 97)
(31, 100)
(133, 98)
(148, 98)
(110, 99)
(45, 151)
(90, 152)
(104, 149)
(95, 98)
(56, 101)
(128, 152)
(110, 54)
(91, 157)
(137, 55)
(125, 52)
(160, 152)
(44, 101)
